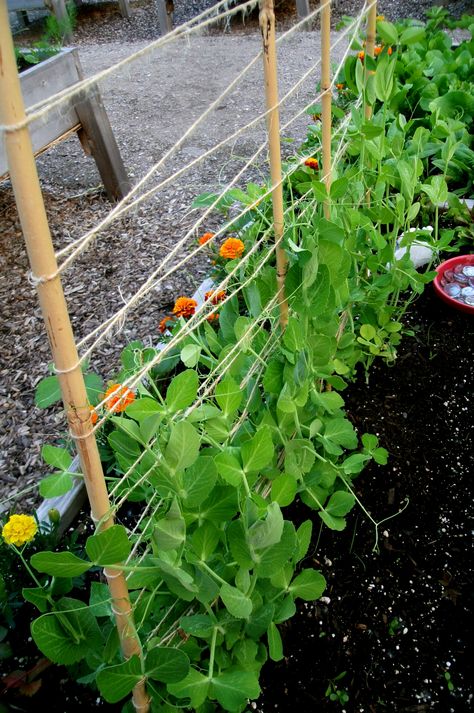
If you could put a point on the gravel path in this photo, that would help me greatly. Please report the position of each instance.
(150, 105)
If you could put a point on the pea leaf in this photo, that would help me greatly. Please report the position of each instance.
(182, 390)
(55, 485)
(183, 446)
(194, 686)
(235, 601)
(59, 564)
(228, 395)
(116, 682)
(233, 688)
(59, 458)
(275, 645)
(110, 546)
(308, 585)
(258, 451)
(166, 664)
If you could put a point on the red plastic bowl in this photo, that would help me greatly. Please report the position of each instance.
(449, 265)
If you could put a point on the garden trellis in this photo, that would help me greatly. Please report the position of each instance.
(46, 276)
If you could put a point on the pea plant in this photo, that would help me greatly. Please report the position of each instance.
(236, 419)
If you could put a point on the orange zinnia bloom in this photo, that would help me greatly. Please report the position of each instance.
(361, 55)
(215, 297)
(214, 317)
(94, 415)
(340, 86)
(377, 50)
(205, 238)
(184, 307)
(312, 163)
(118, 397)
(232, 248)
(163, 325)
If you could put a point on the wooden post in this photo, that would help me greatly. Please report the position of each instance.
(165, 15)
(302, 8)
(44, 267)
(267, 27)
(326, 98)
(370, 45)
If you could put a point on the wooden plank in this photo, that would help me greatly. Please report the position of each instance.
(165, 10)
(302, 8)
(40, 82)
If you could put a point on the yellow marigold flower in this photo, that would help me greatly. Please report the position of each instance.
(312, 163)
(380, 18)
(205, 238)
(214, 317)
(340, 86)
(118, 397)
(215, 297)
(19, 530)
(94, 415)
(184, 307)
(232, 248)
(361, 55)
(163, 325)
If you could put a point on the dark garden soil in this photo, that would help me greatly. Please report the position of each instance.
(394, 622)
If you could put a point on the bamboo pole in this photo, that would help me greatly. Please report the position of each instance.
(326, 98)
(370, 45)
(267, 27)
(39, 246)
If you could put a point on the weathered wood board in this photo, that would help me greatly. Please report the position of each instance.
(84, 114)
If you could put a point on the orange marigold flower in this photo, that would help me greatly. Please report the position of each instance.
(118, 397)
(94, 415)
(205, 238)
(214, 317)
(361, 55)
(215, 297)
(377, 50)
(184, 307)
(340, 86)
(232, 248)
(312, 163)
(390, 51)
(163, 325)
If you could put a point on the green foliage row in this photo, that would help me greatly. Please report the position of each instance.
(213, 566)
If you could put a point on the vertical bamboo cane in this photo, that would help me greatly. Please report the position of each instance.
(43, 263)
(267, 27)
(370, 45)
(326, 95)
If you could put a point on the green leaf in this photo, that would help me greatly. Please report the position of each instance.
(205, 540)
(166, 664)
(183, 446)
(275, 644)
(198, 481)
(59, 458)
(267, 532)
(437, 191)
(258, 451)
(293, 337)
(48, 392)
(284, 489)
(273, 558)
(229, 468)
(387, 32)
(412, 35)
(116, 682)
(341, 431)
(54, 485)
(37, 596)
(170, 531)
(308, 585)
(67, 635)
(190, 354)
(94, 387)
(199, 625)
(228, 395)
(194, 686)
(143, 408)
(59, 564)
(124, 445)
(235, 601)
(233, 688)
(334, 523)
(273, 377)
(110, 546)
(303, 537)
(340, 503)
(182, 390)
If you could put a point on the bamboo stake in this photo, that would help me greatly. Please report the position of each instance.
(326, 99)
(370, 45)
(44, 267)
(267, 27)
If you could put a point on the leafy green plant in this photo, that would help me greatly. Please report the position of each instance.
(336, 694)
(51, 41)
